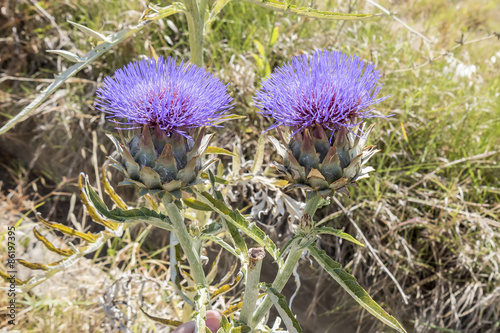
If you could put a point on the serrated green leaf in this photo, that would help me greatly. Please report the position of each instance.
(142, 214)
(286, 314)
(235, 218)
(338, 233)
(66, 55)
(349, 283)
(280, 6)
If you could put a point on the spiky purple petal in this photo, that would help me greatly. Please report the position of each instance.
(157, 92)
(328, 88)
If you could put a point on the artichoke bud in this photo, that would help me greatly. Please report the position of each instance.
(157, 161)
(325, 161)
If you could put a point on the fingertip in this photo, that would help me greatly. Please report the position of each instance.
(213, 320)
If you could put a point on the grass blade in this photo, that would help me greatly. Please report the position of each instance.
(349, 283)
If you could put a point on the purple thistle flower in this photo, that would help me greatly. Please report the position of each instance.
(159, 93)
(331, 89)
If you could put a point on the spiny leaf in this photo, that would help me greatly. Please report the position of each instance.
(50, 246)
(142, 214)
(110, 191)
(196, 204)
(338, 233)
(9, 278)
(219, 151)
(286, 314)
(217, 180)
(232, 309)
(174, 323)
(235, 218)
(349, 283)
(307, 11)
(66, 55)
(33, 266)
(89, 31)
(88, 237)
(90, 208)
(227, 287)
(221, 242)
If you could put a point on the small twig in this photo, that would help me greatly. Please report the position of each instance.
(459, 44)
(28, 79)
(388, 12)
(372, 251)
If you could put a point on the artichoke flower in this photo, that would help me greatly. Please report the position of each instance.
(167, 108)
(319, 104)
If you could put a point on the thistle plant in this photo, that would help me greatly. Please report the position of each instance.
(163, 111)
(319, 104)
(169, 106)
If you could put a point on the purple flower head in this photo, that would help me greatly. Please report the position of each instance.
(159, 93)
(331, 89)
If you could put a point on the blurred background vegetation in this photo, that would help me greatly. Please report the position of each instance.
(431, 210)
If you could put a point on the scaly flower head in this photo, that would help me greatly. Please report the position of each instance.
(321, 99)
(169, 107)
(159, 93)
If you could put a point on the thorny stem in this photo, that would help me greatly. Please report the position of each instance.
(291, 261)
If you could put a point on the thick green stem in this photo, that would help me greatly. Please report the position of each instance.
(252, 278)
(196, 24)
(291, 261)
(185, 240)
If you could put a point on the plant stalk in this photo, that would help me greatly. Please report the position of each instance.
(252, 278)
(186, 243)
(291, 261)
(196, 25)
